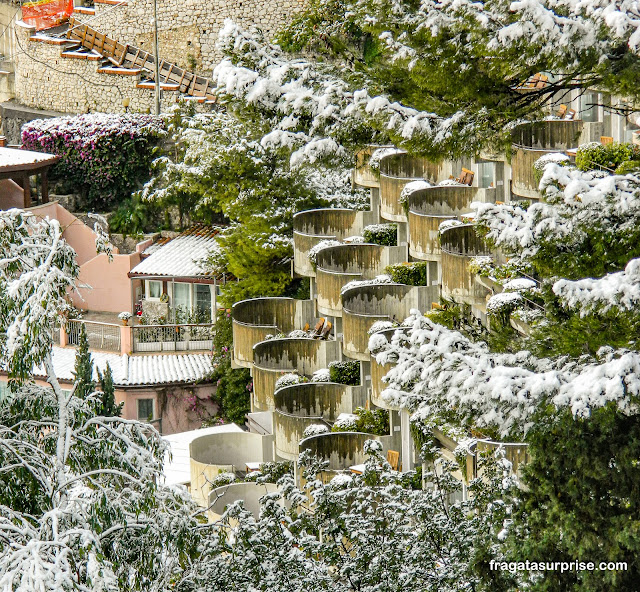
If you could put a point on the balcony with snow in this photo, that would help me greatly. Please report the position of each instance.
(396, 170)
(341, 264)
(256, 318)
(224, 452)
(364, 174)
(460, 244)
(342, 450)
(533, 140)
(313, 226)
(363, 306)
(428, 208)
(299, 406)
(276, 357)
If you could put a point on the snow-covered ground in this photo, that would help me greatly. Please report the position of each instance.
(177, 467)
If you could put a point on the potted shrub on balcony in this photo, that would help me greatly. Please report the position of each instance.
(124, 317)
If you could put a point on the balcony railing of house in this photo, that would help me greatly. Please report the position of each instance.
(162, 338)
(124, 339)
(103, 336)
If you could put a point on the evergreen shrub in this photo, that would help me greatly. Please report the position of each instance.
(381, 234)
(366, 421)
(411, 274)
(608, 156)
(346, 372)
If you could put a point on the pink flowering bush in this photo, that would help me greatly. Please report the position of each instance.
(104, 157)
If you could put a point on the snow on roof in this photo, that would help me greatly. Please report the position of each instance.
(180, 256)
(177, 469)
(135, 370)
(12, 159)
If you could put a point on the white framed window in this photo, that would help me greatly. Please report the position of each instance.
(182, 296)
(153, 289)
(145, 409)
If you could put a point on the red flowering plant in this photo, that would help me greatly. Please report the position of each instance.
(104, 157)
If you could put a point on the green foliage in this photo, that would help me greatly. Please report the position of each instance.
(272, 472)
(411, 274)
(83, 367)
(580, 502)
(366, 421)
(108, 406)
(234, 386)
(629, 166)
(605, 156)
(106, 156)
(135, 216)
(346, 372)
(381, 234)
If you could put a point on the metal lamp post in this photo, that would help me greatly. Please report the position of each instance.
(157, 58)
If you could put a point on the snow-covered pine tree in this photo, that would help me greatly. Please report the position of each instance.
(108, 406)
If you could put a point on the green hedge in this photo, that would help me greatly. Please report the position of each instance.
(347, 372)
(608, 156)
(370, 422)
(381, 234)
(629, 166)
(411, 274)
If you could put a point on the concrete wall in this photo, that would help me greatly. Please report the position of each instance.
(341, 264)
(299, 406)
(276, 357)
(363, 175)
(364, 305)
(396, 170)
(313, 226)
(224, 452)
(428, 208)
(256, 318)
(250, 493)
(459, 245)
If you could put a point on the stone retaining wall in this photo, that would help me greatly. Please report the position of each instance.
(188, 29)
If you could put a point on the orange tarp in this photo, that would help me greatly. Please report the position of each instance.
(46, 13)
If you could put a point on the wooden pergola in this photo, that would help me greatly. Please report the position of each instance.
(20, 165)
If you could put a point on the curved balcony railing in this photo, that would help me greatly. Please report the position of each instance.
(249, 492)
(341, 449)
(301, 405)
(396, 170)
(533, 140)
(428, 208)
(364, 305)
(516, 453)
(312, 226)
(256, 318)
(379, 371)
(363, 175)
(459, 245)
(223, 452)
(336, 266)
(273, 358)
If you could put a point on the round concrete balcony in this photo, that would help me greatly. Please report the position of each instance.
(396, 170)
(363, 175)
(256, 318)
(428, 208)
(379, 371)
(341, 449)
(459, 245)
(275, 357)
(364, 305)
(517, 453)
(312, 226)
(533, 140)
(226, 452)
(301, 405)
(336, 266)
